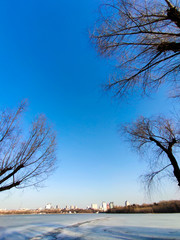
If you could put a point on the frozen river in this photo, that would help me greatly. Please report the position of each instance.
(90, 226)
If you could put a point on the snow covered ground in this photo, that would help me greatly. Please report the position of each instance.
(91, 227)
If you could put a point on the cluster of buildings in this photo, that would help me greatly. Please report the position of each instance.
(103, 207)
(49, 206)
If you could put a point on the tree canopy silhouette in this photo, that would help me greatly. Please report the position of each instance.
(144, 38)
(26, 159)
(161, 136)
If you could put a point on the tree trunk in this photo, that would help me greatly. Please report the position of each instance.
(175, 166)
(170, 156)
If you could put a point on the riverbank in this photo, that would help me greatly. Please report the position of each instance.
(160, 207)
(45, 211)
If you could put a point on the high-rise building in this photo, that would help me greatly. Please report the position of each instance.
(48, 206)
(111, 205)
(94, 206)
(104, 206)
(127, 203)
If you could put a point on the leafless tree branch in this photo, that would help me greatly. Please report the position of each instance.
(25, 159)
(161, 135)
(144, 38)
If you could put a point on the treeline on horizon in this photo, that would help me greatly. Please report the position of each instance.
(45, 211)
(160, 207)
(172, 206)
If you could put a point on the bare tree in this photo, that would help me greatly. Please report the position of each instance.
(160, 135)
(26, 159)
(144, 38)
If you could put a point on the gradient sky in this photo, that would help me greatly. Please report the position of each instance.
(46, 57)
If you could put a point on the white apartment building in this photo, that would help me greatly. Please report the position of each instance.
(104, 206)
(48, 206)
(94, 206)
(111, 205)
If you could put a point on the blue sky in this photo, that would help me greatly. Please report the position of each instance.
(46, 57)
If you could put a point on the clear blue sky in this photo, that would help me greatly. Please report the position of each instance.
(46, 57)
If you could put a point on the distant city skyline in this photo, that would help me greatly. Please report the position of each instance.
(47, 58)
(49, 206)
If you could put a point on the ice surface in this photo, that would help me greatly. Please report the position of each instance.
(91, 227)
